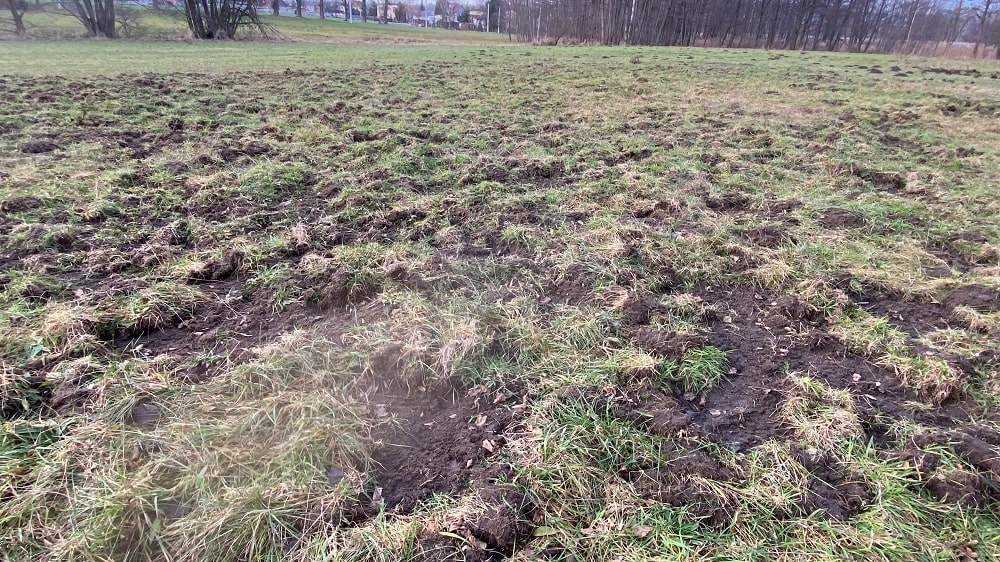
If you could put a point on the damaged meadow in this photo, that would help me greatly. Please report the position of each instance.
(454, 302)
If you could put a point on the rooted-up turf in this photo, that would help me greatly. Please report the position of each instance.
(706, 305)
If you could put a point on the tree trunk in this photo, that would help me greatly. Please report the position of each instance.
(322, 10)
(385, 11)
(97, 16)
(364, 10)
(17, 9)
(276, 7)
(298, 8)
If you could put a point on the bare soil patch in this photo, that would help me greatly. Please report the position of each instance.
(441, 442)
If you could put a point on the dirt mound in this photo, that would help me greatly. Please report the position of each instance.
(783, 206)
(441, 444)
(833, 488)
(975, 485)
(727, 202)
(637, 310)
(980, 297)
(769, 236)
(506, 522)
(216, 269)
(575, 286)
(883, 181)
(38, 147)
(665, 344)
(836, 217)
(20, 204)
(673, 484)
(913, 317)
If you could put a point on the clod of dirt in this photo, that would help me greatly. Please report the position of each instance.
(888, 181)
(435, 547)
(206, 160)
(923, 462)
(784, 206)
(833, 488)
(216, 269)
(20, 204)
(636, 310)
(505, 524)
(976, 486)
(980, 297)
(989, 358)
(727, 202)
(256, 148)
(38, 147)
(539, 169)
(789, 307)
(913, 317)
(700, 503)
(340, 292)
(769, 236)
(836, 217)
(229, 154)
(959, 487)
(574, 287)
(660, 210)
(666, 344)
(175, 168)
(644, 406)
(980, 453)
(357, 135)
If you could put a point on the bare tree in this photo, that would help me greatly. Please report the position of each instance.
(856, 25)
(17, 8)
(322, 10)
(364, 10)
(298, 8)
(275, 7)
(221, 19)
(983, 13)
(97, 16)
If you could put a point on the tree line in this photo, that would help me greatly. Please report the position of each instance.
(881, 26)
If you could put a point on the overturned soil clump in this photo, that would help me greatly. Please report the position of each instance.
(836, 217)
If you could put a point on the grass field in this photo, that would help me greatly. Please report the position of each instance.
(295, 301)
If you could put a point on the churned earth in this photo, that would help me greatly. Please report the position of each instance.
(487, 303)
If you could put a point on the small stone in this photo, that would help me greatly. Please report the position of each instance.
(334, 475)
(145, 415)
(715, 413)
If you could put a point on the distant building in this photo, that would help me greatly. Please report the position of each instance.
(425, 17)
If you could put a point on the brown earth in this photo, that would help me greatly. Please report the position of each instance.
(438, 441)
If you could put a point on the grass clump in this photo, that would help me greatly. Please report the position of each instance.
(699, 369)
